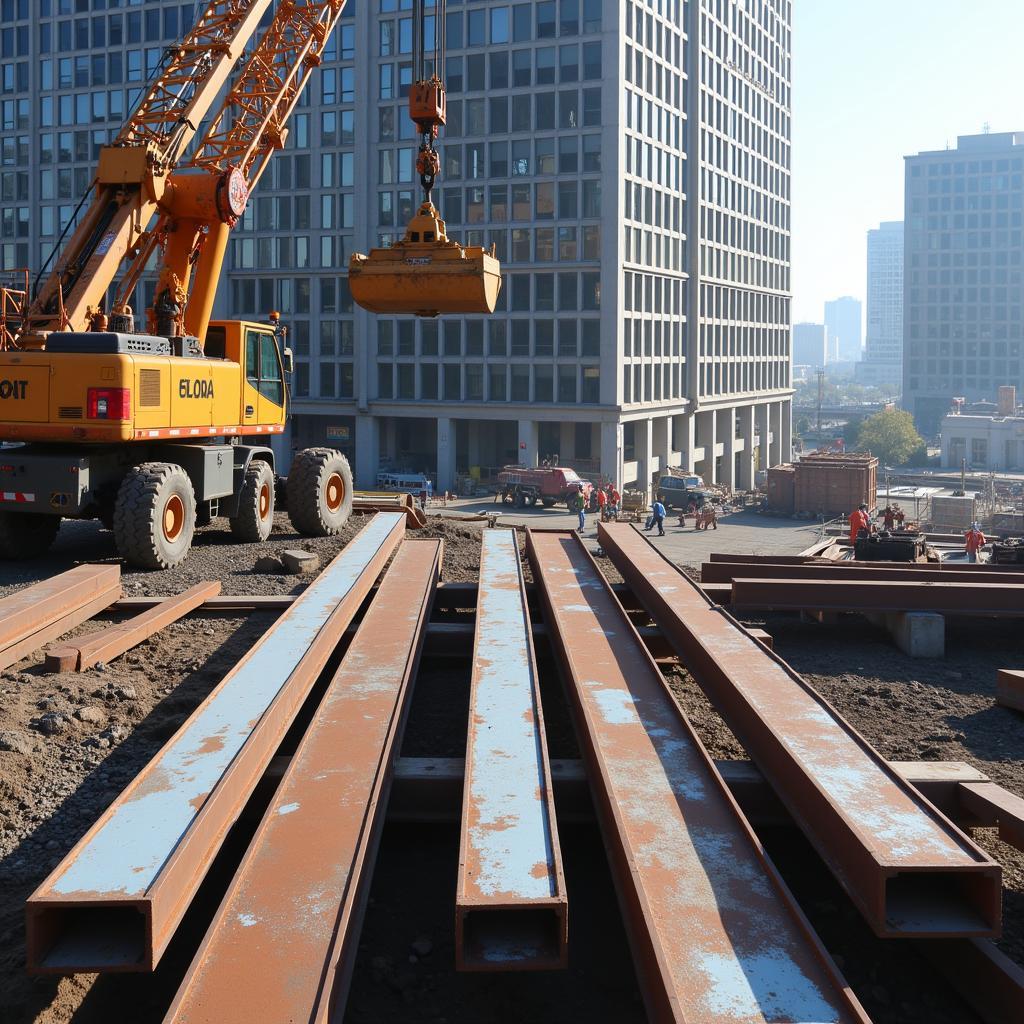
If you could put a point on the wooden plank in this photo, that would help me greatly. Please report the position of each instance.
(112, 642)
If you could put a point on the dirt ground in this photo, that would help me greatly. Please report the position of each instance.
(69, 743)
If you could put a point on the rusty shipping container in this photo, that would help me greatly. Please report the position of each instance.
(835, 484)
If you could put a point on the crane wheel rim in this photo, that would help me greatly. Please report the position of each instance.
(334, 492)
(173, 518)
(264, 501)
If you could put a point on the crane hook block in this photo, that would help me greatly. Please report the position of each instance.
(426, 273)
(427, 105)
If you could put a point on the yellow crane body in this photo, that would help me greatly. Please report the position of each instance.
(70, 394)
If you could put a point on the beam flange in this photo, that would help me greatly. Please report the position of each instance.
(510, 904)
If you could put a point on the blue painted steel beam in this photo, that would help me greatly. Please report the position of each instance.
(284, 940)
(511, 909)
(113, 903)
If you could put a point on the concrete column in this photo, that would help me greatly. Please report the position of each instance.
(787, 431)
(367, 452)
(745, 478)
(661, 438)
(726, 428)
(686, 439)
(528, 440)
(775, 426)
(611, 452)
(642, 441)
(707, 439)
(761, 419)
(445, 454)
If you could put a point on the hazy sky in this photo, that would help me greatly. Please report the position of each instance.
(874, 80)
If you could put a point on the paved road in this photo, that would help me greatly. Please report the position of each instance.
(740, 532)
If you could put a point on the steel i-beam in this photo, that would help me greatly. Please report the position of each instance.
(284, 940)
(716, 935)
(907, 867)
(510, 907)
(114, 901)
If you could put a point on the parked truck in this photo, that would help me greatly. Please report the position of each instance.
(525, 486)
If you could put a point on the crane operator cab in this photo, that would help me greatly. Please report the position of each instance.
(426, 273)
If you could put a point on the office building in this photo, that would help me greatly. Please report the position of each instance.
(641, 218)
(810, 345)
(883, 351)
(843, 320)
(963, 327)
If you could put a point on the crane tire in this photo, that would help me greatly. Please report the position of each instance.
(319, 492)
(155, 515)
(255, 517)
(26, 534)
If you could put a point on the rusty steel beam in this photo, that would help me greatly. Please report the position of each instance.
(893, 572)
(107, 644)
(28, 614)
(951, 567)
(510, 904)
(284, 940)
(1010, 688)
(114, 901)
(908, 868)
(996, 600)
(715, 933)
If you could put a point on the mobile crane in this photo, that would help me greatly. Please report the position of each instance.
(157, 431)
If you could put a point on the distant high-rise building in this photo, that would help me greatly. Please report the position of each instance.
(963, 326)
(810, 345)
(883, 352)
(842, 318)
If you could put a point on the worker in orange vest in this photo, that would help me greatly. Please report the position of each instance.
(858, 521)
(974, 541)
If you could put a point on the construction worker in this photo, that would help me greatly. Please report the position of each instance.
(658, 516)
(602, 504)
(974, 541)
(614, 501)
(889, 517)
(581, 509)
(858, 521)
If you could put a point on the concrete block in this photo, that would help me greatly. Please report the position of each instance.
(298, 562)
(1010, 688)
(919, 634)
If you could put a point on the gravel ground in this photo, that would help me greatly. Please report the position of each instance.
(69, 743)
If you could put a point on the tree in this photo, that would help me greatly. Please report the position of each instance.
(891, 436)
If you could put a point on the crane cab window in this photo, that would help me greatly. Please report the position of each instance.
(262, 366)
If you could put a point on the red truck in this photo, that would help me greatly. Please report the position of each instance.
(522, 486)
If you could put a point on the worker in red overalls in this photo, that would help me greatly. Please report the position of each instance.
(974, 541)
(602, 501)
(858, 521)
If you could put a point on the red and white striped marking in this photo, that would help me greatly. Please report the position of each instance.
(18, 496)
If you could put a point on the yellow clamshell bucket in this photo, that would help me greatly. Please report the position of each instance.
(426, 273)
